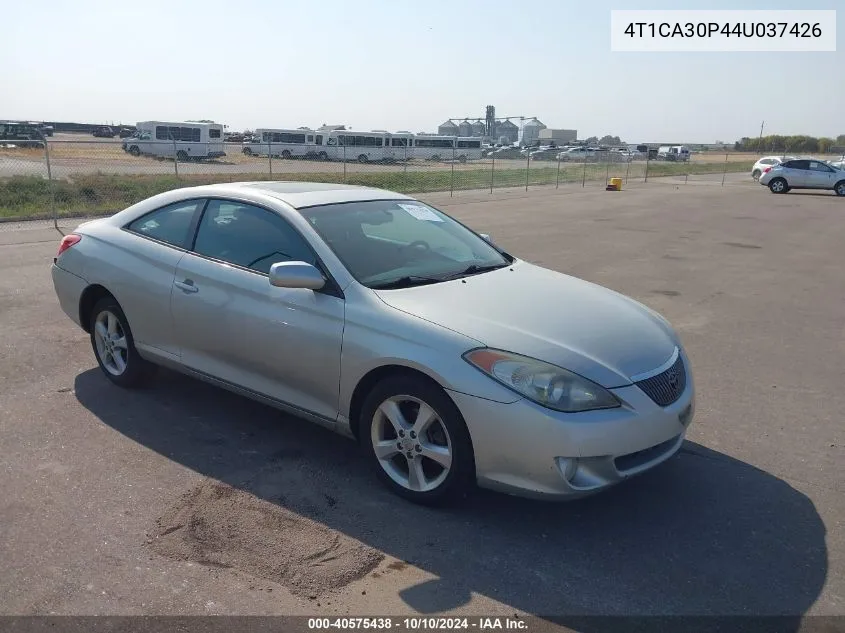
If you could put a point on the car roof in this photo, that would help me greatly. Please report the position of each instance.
(308, 194)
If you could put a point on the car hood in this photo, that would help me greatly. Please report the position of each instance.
(585, 328)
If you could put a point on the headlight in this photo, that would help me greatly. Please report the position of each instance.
(545, 384)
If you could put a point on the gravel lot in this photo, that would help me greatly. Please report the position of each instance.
(182, 499)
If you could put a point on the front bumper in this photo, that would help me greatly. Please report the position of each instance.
(524, 449)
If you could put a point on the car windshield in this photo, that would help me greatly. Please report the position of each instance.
(396, 243)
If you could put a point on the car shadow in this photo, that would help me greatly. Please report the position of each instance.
(703, 534)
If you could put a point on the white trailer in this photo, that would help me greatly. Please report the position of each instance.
(286, 143)
(185, 140)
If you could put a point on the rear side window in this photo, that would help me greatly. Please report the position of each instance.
(214, 133)
(797, 164)
(171, 224)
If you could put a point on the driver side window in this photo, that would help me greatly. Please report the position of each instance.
(249, 236)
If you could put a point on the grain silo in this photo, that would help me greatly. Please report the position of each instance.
(465, 129)
(479, 129)
(447, 128)
(531, 132)
(508, 130)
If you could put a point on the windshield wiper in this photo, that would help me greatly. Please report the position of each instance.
(475, 269)
(405, 282)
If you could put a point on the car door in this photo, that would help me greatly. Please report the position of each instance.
(143, 271)
(282, 343)
(819, 175)
(796, 172)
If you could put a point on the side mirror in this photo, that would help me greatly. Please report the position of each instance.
(296, 275)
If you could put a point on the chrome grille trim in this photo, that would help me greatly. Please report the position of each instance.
(667, 386)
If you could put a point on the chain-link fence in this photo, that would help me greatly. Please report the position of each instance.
(76, 175)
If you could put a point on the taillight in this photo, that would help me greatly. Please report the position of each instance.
(67, 242)
(767, 170)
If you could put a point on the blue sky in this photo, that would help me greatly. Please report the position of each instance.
(400, 64)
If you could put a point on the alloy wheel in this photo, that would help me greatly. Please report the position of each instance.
(411, 443)
(110, 339)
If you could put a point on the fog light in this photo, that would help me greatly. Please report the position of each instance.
(567, 466)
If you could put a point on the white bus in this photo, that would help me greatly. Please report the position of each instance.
(300, 143)
(364, 147)
(401, 146)
(183, 140)
(434, 147)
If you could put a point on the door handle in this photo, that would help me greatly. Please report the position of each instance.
(186, 286)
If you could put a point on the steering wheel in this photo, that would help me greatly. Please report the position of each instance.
(418, 244)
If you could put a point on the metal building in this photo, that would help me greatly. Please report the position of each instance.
(558, 136)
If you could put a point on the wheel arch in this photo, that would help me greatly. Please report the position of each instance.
(369, 380)
(89, 298)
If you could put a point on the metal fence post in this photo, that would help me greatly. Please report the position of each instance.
(628, 168)
(452, 182)
(175, 158)
(52, 186)
(686, 171)
(557, 181)
(527, 166)
(584, 174)
(724, 169)
(607, 170)
(492, 173)
(270, 155)
(647, 160)
(405, 166)
(344, 162)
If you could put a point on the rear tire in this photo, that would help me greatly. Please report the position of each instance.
(323, 156)
(182, 156)
(433, 467)
(778, 185)
(286, 154)
(247, 151)
(134, 150)
(839, 188)
(363, 158)
(755, 175)
(114, 346)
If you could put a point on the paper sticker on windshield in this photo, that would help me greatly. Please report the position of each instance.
(421, 213)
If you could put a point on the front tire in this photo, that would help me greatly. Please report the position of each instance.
(134, 150)
(114, 347)
(778, 185)
(416, 439)
(839, 188)
(247, 151)
(286, 154)
(182, 156)
(363, 158)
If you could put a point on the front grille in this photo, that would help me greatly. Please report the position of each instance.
(666, 387)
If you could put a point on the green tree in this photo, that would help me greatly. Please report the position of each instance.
(607, 139)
